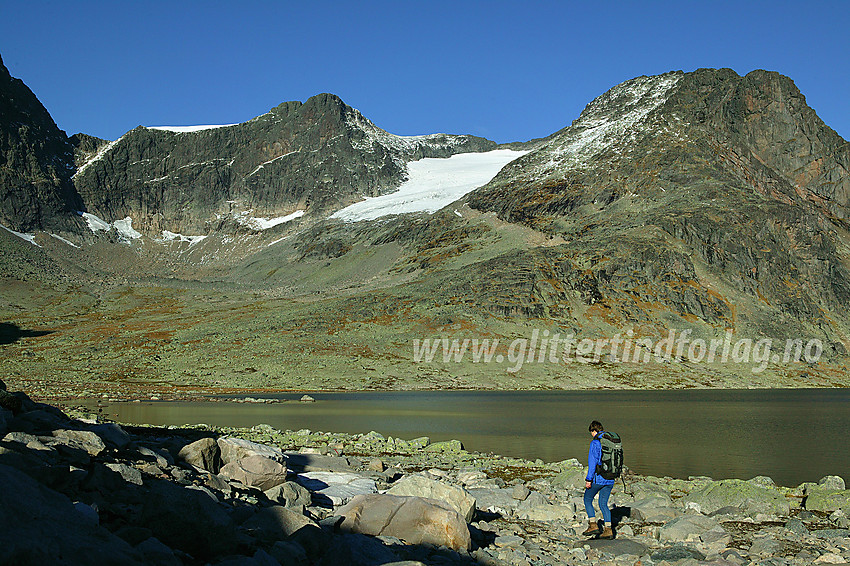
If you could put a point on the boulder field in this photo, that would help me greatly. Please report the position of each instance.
(80, 491)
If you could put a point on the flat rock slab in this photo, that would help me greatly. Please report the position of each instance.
(496, 500)
(336, 488)
(616, 546)
(677, 552)
(682, 528)
(748, 496)
(316, 463)
(257, 471)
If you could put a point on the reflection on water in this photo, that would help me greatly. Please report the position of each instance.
(723, 434)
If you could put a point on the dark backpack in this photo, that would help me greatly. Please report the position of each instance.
(611, 462)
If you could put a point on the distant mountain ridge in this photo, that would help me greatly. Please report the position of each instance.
(317, 156)
(314, 157)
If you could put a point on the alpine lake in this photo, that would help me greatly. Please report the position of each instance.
(790, 435)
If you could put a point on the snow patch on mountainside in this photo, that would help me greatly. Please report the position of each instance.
(175, 237)
(609, 123)
(432, 184)
(405, 145)
(95, 223)
(256, 223)
(61, 239)
(24, 236)
(189, 129)
(104, 149)
(124, 227)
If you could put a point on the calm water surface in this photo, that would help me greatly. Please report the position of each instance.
(789, 435)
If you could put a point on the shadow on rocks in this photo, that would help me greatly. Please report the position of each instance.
(11, 333)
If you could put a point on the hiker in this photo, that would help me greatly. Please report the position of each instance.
(595, 483)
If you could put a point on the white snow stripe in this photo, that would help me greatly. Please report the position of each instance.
(22, 235)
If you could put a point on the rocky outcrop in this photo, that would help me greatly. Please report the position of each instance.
(36, 163)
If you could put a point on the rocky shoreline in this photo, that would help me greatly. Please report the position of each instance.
(77, 490)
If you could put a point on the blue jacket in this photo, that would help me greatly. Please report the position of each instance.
(593, 457)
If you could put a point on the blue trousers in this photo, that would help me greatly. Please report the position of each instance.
(604, 491)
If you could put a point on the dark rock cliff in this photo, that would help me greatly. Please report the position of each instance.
(36, 163)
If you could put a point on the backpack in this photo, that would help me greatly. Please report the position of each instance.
(611, 462)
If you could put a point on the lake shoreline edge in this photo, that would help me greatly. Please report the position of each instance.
(522, 510)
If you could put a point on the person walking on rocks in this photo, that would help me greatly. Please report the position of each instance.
(594, 483)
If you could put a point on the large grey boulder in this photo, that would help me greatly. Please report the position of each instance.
(413, 519)
(569, 478)
(234, 449)
(130, 474)
(112, 434)
(289, 494)
(81, 439)
(204, 453)
(535, 507)
(687, 527)
(832, 483)
(41, 526)
(645, 490)
(255, 471)
(494, 500)
(748, 496)
(316, 463)
(420, 486)
(277, 523)
(654, 509)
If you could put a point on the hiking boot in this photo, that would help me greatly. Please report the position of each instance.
(607, 533)
(593, 529)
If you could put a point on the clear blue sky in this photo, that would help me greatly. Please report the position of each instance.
(503, 70)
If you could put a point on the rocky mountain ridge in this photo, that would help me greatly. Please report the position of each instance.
(690, 198)
(317, 157)
(36, 163)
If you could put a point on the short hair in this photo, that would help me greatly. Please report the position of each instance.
(595, 425)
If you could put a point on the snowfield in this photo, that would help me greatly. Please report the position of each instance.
(432, 184)
(189, 129)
